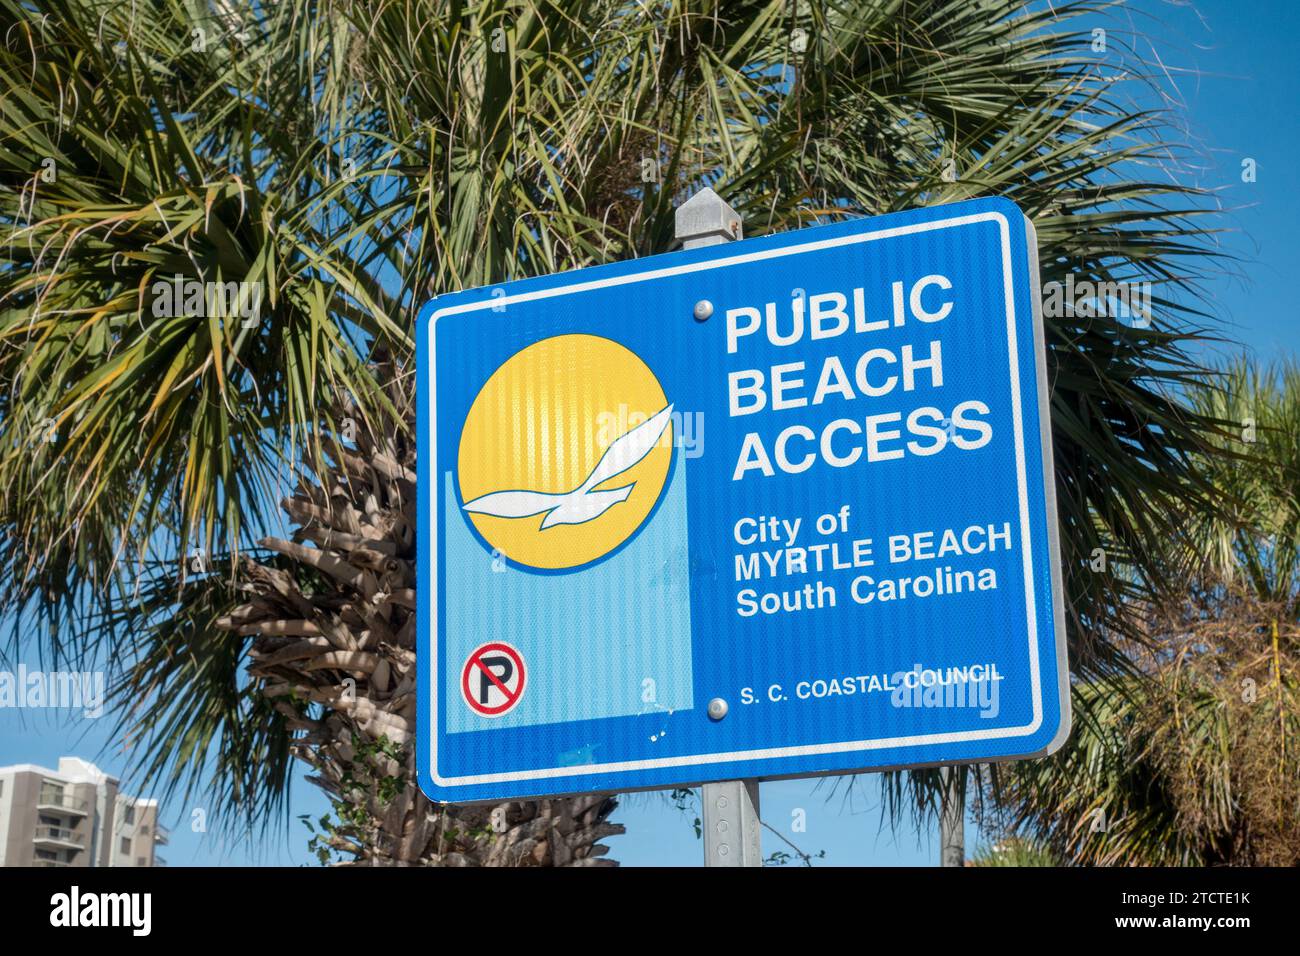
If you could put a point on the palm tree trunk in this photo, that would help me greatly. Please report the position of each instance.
(333, 645)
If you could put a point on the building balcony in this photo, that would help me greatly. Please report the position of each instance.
(51, 863)
(162, 836)
(158, 861)
(59, 837)
(61, 803)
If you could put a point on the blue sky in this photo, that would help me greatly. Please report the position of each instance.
(1232, 67)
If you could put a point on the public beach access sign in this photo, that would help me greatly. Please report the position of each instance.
(777, 507)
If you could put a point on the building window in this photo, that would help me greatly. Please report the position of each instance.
(2, 788)
(129, 817)
(141, 861)
(126, 846)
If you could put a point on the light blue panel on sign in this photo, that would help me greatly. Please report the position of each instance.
(613, 636)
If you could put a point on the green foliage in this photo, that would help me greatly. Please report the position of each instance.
(685, 800)
(1193, 761)
(217, 742)
(169, 429)
(1256, 466)
(794, 854)
(361, 777)
(318, 845)
(363, 794)
(1013, 852)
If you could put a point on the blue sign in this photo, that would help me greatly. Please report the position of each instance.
(779, 507)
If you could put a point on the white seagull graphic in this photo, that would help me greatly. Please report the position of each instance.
(581, 504)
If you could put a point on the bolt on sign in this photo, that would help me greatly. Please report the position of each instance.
(778, 507)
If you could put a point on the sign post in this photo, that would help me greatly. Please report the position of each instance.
(952, 818)
(729, 810)
(761, 508)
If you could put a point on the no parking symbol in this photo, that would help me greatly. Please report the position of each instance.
(492, 681)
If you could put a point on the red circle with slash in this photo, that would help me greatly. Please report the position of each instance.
(492, 682)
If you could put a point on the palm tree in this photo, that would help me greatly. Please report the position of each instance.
(353, 612)
(1014, 852)
(353, 158)
(1199, 762)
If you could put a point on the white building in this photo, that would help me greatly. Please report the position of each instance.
(74, 816)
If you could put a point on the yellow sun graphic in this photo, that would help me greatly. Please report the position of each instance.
(565, 451)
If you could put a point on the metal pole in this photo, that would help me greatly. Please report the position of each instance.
(952, 818)
(730, 810)
(731, 824)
